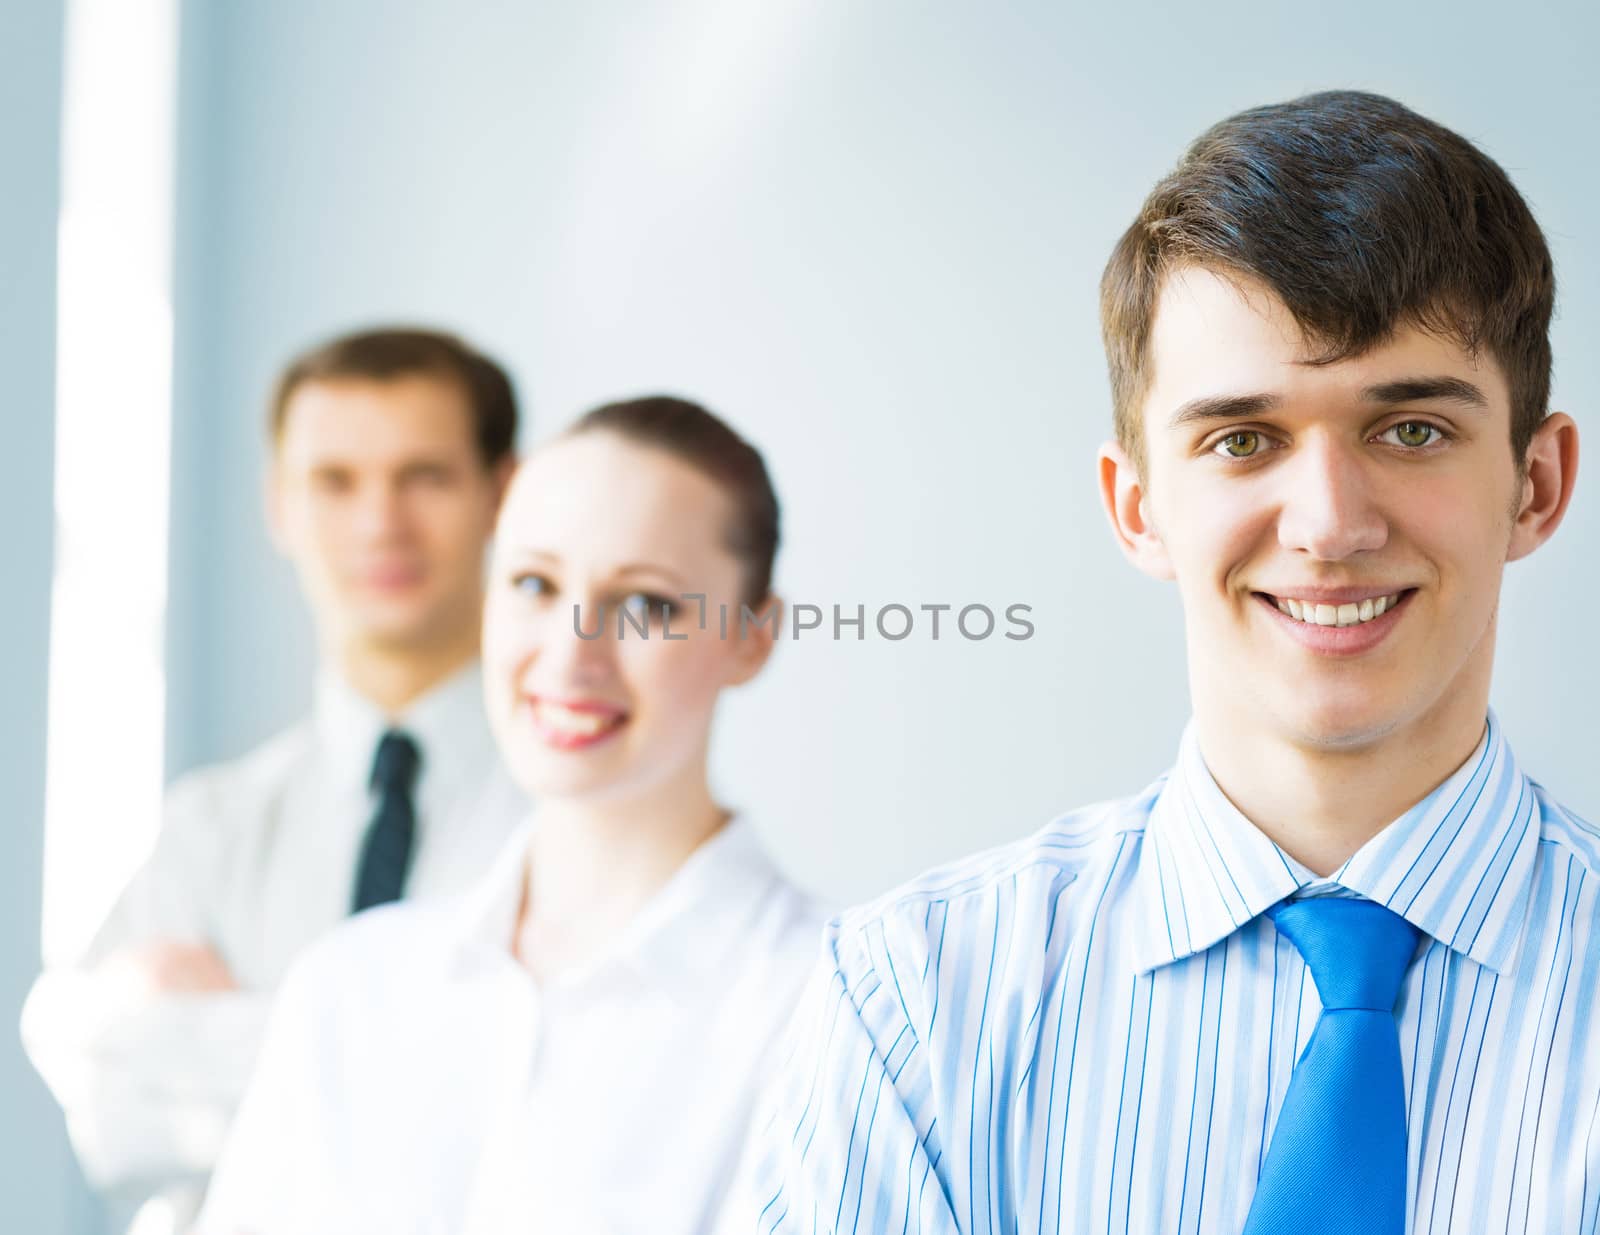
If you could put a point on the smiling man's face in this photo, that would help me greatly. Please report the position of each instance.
(1337, 532)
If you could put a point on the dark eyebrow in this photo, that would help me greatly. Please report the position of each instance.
(1405, 390)
(1222, 407)
(1425, 389)
(430, 465)
(530, 556)
(644, 568)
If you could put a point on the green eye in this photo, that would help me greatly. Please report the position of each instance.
(1414, 433)
(1239, 445)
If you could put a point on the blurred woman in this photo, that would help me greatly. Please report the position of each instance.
(577, 1047)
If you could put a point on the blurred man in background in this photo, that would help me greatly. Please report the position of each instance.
(390, 452)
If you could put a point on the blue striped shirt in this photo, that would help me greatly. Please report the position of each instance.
(1093, 1030)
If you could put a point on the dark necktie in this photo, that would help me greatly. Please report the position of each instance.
(386, 850)
(1337, 1161)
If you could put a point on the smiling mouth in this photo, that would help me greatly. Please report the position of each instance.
(1349, 613)
(575, 726)
(392, 577)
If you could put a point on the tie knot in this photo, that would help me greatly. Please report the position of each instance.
(394, 766)
(1357, 950)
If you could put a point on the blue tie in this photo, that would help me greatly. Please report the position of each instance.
(1337, 1161)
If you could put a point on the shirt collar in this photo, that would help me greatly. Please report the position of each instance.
(1458, 865)
(486, 916)
(684, 933)
(677, 940)
(447, 723)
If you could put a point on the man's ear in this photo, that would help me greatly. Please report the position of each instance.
(500, 479)
(1550, 469)
(272, 507)
(1122, 492)
(754, 640)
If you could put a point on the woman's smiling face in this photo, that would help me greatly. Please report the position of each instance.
(604, 536)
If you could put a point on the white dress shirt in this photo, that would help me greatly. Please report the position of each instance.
(416, 1080)
(256, 857)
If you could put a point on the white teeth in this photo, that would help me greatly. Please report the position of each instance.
(577, 724)
(1352, 614)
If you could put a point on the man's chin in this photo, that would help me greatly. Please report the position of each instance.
(394, 632)
(1342, 724)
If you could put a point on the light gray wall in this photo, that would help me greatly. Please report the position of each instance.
(870, 234)
(39, 1186)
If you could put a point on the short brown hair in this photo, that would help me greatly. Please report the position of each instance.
(697, 437)
(389, 353)
(1361, 215)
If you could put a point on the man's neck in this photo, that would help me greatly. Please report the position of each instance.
(394, 678)
(1320, 804)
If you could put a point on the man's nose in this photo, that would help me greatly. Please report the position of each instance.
(383, 510)
(1329, 511)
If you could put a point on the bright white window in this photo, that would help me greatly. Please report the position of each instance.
(114, 339)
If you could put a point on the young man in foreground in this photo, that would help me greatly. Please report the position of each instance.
(1336, 971)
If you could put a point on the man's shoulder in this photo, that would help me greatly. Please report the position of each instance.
(1013, 889)
(257, 774)
(1567, 832)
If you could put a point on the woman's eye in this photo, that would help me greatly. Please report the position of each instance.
(1413, 434)
(1240, 445)
(645, 607)
(532, 585)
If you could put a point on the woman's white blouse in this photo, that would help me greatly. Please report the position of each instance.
(415, 1080)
